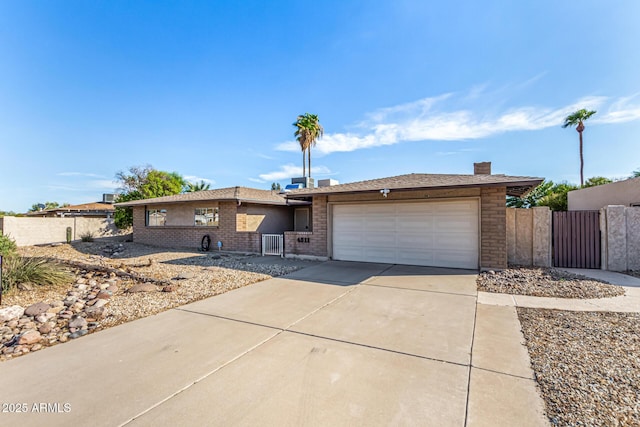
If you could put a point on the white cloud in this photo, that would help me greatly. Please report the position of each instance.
(103, 184)
(259, 181)
(291, 171)
(197, 179)
(428, 119)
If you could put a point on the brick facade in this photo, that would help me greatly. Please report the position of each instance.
(493, 228)
(231, 229)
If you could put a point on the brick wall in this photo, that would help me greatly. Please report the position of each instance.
(493, 226)
(190, 236)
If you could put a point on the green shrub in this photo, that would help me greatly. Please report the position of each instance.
(87, 237)
(39, 271)
(7, 246)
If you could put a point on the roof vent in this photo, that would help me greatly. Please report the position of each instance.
(483, 168)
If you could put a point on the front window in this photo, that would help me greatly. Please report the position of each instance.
(207, 217)
(156, 217)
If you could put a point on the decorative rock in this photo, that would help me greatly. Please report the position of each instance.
(82, 287)
(44, 317)
(10, 313)
(184, 276)
(45, 328)
(78, 334)
(113, 289)
(36, 347)
(104, 295)
(170, 288)
(95, 313)
(25, 286)
(81, 281)
(56, 310)
(57, 303)
(69, 301)
(38, 308)
(92, 282)
(78, 322)
(100, 303)
(143, 287)
(13, 323)
(29, 337)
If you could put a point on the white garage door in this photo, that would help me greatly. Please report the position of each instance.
(439, 234)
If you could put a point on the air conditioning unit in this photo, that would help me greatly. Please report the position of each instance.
(108, 198)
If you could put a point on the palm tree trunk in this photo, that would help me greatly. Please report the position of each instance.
(309, 160)
(304, 165)
(581, 163)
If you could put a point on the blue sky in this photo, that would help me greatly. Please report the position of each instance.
(210, 89)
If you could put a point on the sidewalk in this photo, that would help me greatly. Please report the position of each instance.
(628, 303)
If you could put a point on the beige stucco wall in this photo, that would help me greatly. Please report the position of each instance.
(620, 227)
(529, 236)
(623, 193)
(39, 231)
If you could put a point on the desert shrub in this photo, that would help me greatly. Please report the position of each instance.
(87, 237)
(7, 246)
(39, 271)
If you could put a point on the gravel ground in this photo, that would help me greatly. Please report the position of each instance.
(545, 282)
(587, 365)
(109, 271)
(197, 274)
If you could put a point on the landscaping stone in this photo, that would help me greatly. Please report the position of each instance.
(10, 313)
(38, 308)
(143, 287)
(29, 337)
(78, 322)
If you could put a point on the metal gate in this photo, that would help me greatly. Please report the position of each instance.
(576, 239)
(273, 244)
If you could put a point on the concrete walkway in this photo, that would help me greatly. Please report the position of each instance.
(333, 344)
(628, 303)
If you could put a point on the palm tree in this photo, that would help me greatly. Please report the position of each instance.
(577, 119)
(308, 131)
(199, 186)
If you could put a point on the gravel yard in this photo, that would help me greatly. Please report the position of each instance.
(587, 365)
(132, 280)
(545, 282)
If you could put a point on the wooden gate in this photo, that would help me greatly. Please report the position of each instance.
(576, 239)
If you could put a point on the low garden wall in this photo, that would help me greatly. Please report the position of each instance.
(529, 237)
(620, 238)
(38, 231)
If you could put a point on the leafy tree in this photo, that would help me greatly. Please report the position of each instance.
(276, 186)
(577, 119)
(36, 207)
(144, 182)
(635, 174)
(308, 131)
(556, 200)
(190, 187)
(597, 180)
(531, 199)
(7, 213)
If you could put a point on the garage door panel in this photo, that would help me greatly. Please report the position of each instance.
(441, 233)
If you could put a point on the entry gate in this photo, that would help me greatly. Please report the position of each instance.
(576, 239)
(273, 244)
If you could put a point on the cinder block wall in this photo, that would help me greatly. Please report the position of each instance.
(43, 230)
(529, 236)
(620, 228)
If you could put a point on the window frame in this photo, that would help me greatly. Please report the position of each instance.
(215, 211)
(163, 215)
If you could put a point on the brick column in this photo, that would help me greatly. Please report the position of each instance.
(493, 223)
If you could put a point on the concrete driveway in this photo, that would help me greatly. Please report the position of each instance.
(334, 344)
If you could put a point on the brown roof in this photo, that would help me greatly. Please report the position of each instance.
(242, 194)
(516, 185)
(85, 207)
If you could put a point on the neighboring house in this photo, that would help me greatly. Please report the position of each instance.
(91, 210)
(234, 216)
(625, 193)
(418, 219)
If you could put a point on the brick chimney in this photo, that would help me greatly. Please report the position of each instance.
(483, 168)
